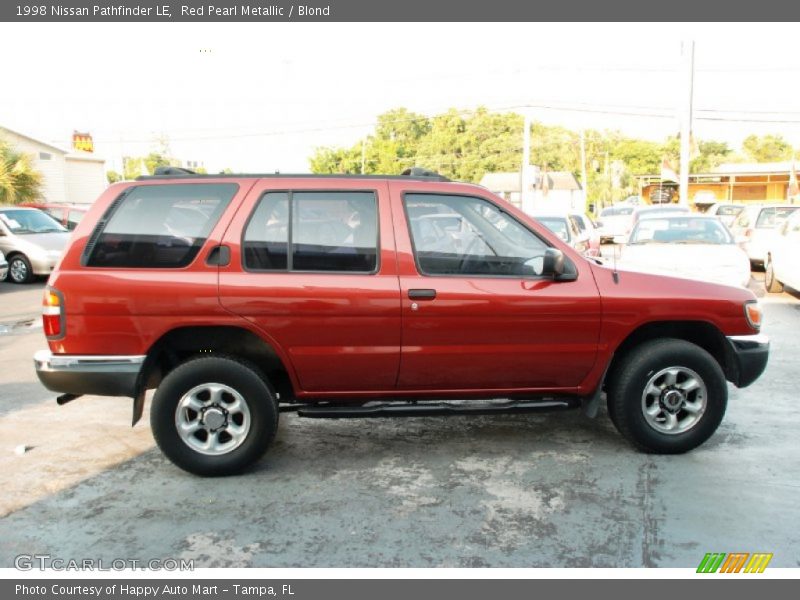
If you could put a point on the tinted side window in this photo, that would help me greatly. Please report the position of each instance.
(330, 231)
(160, 226)
(463, 235)
(266, 239)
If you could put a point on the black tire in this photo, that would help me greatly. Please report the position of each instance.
(772, 285)
(19, 269)
(632, 376)
(244, 379)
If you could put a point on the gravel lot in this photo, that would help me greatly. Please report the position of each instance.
(553, 490)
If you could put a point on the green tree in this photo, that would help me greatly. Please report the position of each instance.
(113, 176)
(132, 167)
(767, 148)
(19, 181)
(156, 159)
(711, 155)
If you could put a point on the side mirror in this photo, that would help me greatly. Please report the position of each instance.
(552, 263)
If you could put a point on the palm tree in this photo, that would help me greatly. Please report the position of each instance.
(19, 181)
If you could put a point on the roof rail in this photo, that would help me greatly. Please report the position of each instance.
(422, 172)
(417, 173)
(173, 171)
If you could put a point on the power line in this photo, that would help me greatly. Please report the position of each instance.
(709, 114)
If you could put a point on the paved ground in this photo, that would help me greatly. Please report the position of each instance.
(554, 490)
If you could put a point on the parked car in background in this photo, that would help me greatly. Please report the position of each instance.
(587, 225)
(69, 215)
(566, 227)
(691, 246)
(3, 267)
(31, 240)
(657, 210)
(615, 221)
(725, 212)
(782, 264)
(755, 227)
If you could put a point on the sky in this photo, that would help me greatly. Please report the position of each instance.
(260, 97)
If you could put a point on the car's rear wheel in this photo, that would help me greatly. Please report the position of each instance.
(770, 282)
(668, 396)
(19, 269)
(214, 415)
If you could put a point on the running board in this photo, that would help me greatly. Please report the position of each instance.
(427, 409)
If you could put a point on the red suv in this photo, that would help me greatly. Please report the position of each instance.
(239, 297)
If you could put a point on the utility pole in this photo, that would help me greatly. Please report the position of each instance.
(686, 120)
(363, 156)
(584, 178)
(525, 173)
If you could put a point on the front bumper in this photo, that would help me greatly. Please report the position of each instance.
(80, 374)
(749, 354)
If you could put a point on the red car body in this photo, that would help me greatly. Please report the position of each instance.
(350, 338)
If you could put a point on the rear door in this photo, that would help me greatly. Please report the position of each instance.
(313, 267)
(474, 315)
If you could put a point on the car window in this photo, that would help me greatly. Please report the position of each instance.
(485, 240)
(680, 230)
(26, 221)
(73, 218)
(330, 231)
(580, 222)
(558, 225)
(56, 213)
(728, 211)
(771, 216)
(743, 220)
(158, 226)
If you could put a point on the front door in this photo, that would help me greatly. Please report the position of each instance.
(474, 315)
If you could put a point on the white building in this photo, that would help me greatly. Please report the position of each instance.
(550, 190)
(72, 177)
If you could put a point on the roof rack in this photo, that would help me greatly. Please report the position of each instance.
(416, 173)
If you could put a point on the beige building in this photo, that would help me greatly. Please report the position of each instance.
(730, 182)
(72, 177)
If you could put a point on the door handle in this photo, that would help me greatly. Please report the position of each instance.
(420, 294)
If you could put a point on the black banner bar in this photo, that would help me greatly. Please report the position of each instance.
(394, 589)
(397, 10)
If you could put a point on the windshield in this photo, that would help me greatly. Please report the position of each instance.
(680, 230)
(771, 217)
(20, 221)
(617, 211)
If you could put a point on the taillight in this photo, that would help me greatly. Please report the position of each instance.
(752, 310)
(53, 313)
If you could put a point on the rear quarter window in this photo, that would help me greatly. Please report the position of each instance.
(158, 226)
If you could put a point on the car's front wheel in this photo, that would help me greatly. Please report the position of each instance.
(19, 269)
(668, 396)
(214, 415)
